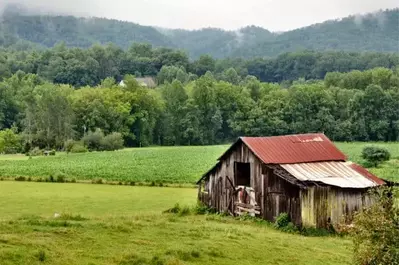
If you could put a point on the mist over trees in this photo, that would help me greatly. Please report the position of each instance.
(372, 32)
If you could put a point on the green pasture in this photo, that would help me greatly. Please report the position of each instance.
(123, 225)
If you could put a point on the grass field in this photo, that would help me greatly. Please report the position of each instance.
(125, 225)
(158, 164)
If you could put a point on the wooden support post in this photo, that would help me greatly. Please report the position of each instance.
(262, 202)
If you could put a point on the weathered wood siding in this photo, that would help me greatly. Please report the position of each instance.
(273, 194)
(219, 188)
(323, 205)
(280, 197)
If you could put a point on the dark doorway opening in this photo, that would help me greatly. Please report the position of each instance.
(242, 174)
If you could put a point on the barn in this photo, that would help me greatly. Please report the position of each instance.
(304, 175)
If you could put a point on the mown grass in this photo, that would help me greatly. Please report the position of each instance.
(124, 225)
(154, 164)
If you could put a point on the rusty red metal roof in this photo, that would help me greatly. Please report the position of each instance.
(291, 149)
(367, 174)
(334, 173)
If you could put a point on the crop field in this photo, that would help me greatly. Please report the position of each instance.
(158, 164)
(153, 164)
(123, 225)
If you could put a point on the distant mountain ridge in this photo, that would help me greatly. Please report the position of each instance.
(377, 31)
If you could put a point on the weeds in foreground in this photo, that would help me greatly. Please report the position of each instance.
(41, 255)
(282, 223)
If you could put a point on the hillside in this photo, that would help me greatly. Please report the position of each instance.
(372, 32)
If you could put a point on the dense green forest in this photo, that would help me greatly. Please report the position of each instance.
(350, 106)
(81, 67)
(372, 32)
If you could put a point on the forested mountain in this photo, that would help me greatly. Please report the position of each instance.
(78, 32)
(372, 32)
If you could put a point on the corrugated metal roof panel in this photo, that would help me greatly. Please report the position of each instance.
(340, 174)
(367, 174)
(291, 149)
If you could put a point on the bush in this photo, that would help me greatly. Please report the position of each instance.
(201, 208)
(60, 177)
(112, 142)
(50, 179)
(97, 181)
(36, 152)
(20, 178)
(93, 140)
(282, 220)
(375, 233)
(78, 148)
(68, 145)
(375, 155)
(51, 152)
(10, 142)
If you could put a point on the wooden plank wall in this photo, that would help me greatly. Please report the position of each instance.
(280, 197)
(219, 188)
(273, 194)
(323, 205)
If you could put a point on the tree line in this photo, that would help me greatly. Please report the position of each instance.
(87, 67)
(358, 105)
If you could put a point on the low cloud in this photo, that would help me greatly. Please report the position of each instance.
(276, 15)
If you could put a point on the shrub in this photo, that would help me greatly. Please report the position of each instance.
(375, 155)
(201, 208)
(52, 153)
(60, 177)
(36, 152)
(112, 142)
(97, 181)
(50, 179)
(282, 220)
(93, 140)
(68, 145)
(27, 148)
(375, 233)
(20, 178)
(10, 142)
(78, 148)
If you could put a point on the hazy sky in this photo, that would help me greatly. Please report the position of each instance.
(275, 15)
